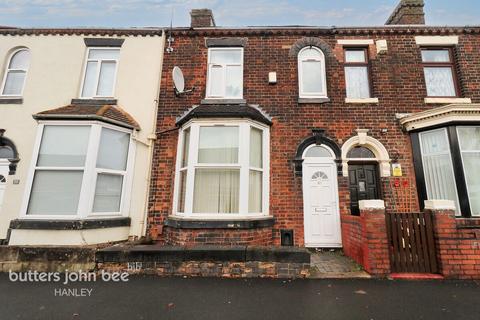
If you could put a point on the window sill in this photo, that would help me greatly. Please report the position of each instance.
(11, 100)
(246, 223)
(448, 100)
(223, 101)
(313, 100)
(97, 101)
(49, 224)
(468, 223)
(362, 100)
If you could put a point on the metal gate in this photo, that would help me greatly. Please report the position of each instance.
(412, 245)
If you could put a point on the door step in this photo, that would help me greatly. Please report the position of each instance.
(415, 276)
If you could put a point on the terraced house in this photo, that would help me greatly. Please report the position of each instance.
(76, 125)
(306, 136)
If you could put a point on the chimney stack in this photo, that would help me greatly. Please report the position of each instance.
(408, 12)
(202, 18)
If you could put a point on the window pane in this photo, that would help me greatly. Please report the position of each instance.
(63, 146)
(218, 145)
(318, 152)
(435, 56)
(360, 153)
(108, 193)
(234, 82)
(357, 82)
(310, 54)
(6, 152)
(20, 60)
(439, 82)
(355, 56)
(226, 56)
(216, 81)
(255, 192)
(105, 54)
(186, 147)
(113, 151)
(256, 148)
(312, 77)
(90, 80)
(437, 166)
(216, 191)
(55, 193)
(469, 138)
(106, 79)
(14, 83)
(182, 191)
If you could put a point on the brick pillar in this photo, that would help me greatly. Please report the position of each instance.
(376, 259)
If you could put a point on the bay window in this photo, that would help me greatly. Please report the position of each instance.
(225, 73)
(100, 73)
(449, 159)
(221, 169)
(79, 170)
(439, 71)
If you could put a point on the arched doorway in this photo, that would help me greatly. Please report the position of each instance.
(320, 198)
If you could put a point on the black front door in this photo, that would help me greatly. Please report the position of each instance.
(364, 185)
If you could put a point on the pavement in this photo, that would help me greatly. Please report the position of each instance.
(148, 297)
(332, 264)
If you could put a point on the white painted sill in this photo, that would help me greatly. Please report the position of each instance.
(363, 100)
(448, 100)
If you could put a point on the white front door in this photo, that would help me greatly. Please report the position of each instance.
(3, 181)
(321, 209)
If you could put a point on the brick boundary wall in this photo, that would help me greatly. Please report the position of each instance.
(457, 243)
(365, 240)
(191, 237)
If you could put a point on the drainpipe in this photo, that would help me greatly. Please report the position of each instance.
(151, 142)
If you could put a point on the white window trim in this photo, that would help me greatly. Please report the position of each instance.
(436, 40)
(87, 192)
(361, 100)
(243, 165)
(355, 42)
(314, 95)
(8, 70)
(97, 77)
(209, 67)
(447, 100)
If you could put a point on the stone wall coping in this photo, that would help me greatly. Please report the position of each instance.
(371, 204)
(439, 205)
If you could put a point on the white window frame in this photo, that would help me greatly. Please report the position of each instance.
(8, 70)
(97, 77)
(224, 67)
(301, 59)
(90, 172)
(243, 164)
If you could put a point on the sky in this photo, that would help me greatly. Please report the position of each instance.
(158, 13)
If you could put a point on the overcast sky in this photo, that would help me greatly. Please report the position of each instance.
(145, 13)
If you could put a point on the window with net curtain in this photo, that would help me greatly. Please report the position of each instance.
(356, 73)
(226, 175)
(16, 73)
(63, 175)
(439, 71)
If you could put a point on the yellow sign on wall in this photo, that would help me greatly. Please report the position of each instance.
(397, 170)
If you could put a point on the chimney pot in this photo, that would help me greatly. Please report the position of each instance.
(202, 18)
(408, 12)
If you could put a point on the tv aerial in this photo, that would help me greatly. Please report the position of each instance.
(179, 82)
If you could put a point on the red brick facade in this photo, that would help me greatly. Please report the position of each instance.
(397, 81)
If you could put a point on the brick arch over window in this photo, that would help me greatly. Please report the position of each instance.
(361, 139)
(5, 142)
(311, 41)
(318, 138)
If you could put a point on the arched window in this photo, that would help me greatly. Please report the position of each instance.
(15, 73)
(311, 73)
(317, 152)
(360, 152)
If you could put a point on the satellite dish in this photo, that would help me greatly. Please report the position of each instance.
(178, 79)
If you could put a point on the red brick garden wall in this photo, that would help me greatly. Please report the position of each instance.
(227, 237)
(397, 79)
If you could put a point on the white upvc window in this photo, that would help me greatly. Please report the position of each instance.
(311, 73)
(79, 170)
(222, 170)
(100, 73)
(15, 73)
(225, 73)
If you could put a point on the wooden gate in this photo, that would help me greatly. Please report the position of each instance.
(412, 246)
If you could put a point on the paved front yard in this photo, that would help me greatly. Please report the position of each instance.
(333, 264)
